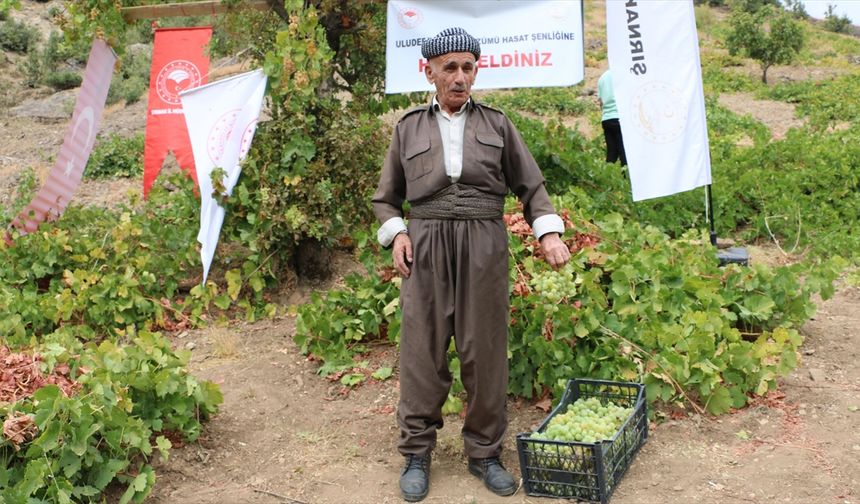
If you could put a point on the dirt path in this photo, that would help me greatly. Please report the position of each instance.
(286, 435)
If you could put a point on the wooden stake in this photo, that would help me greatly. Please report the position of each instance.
(200, 8)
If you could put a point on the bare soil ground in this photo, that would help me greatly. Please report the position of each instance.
(284, 434)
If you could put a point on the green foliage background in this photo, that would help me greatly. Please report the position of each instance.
(90, 292)
(644, 300)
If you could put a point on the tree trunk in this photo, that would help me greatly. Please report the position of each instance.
(764, 73)
(313, 260)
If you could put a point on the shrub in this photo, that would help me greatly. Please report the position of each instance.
(56, 64)
(542, 101)
(25, 188)
(631, 305)
(31, 67)
(17, 36)
(116, 156)
(58, 50)
(753, 6)
(711, 3)
(132, 80)
(63, 80)
(824, 102)
(835, 23)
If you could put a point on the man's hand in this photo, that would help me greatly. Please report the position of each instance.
(402, 253)
(555, 251)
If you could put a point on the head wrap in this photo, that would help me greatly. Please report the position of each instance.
(450, 40)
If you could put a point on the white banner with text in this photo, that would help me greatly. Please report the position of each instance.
(532, 43)
(653, 54)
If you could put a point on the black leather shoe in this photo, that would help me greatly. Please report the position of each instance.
(415, 478)
(493, 474)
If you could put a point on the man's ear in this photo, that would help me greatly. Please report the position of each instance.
(428, 72)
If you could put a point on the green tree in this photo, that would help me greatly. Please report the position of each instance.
(797, 8)
(314, 164)
(752, 6)
(768, 36)
(834, 22)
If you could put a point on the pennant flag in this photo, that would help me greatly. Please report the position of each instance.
(653, 54)
(222, 118)
(65, 176)
(179, 62)
(523, 43)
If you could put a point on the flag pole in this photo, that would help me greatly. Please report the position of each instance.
(709, 213)
(735, 255)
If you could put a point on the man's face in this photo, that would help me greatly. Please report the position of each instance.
(453, 75)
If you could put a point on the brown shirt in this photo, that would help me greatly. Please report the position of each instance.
(495, 159)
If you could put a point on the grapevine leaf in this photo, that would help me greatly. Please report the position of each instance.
(106, 472)
(383, 373)
(164, 446)
(719, 401)
(234, 284)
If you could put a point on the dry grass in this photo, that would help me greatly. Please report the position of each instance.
(225, 343)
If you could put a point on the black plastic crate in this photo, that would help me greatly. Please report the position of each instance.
(585, 471)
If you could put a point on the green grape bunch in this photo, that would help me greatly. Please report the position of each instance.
(556, 286)
(586, 421)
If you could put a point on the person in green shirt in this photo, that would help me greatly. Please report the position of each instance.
(609, 120)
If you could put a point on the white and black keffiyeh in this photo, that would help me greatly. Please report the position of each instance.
(451, 40)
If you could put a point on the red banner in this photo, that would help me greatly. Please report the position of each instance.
(179, 62)
(65, 176)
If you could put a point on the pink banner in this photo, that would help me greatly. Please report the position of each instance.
(66, 174)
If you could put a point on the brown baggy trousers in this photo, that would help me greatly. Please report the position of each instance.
(458, 286)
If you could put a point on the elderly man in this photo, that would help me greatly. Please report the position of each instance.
(454, 161)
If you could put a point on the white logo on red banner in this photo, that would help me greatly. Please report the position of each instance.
(175, 77)
(179, 63)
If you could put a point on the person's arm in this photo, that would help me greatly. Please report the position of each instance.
(527, 183)
(390, 193)
(388, 206)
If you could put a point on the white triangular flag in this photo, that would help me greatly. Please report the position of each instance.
(653, 53)
(221, 118)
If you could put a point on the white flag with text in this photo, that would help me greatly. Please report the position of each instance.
(653, 54)
(222, 118)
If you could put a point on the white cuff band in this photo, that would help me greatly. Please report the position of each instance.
(549, 223)
(391, 228)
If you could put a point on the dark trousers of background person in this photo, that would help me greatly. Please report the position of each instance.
(614, 142)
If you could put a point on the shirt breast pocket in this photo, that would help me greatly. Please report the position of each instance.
(489, 152)
(417, 160)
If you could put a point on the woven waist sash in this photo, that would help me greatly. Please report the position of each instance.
(459, 202)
